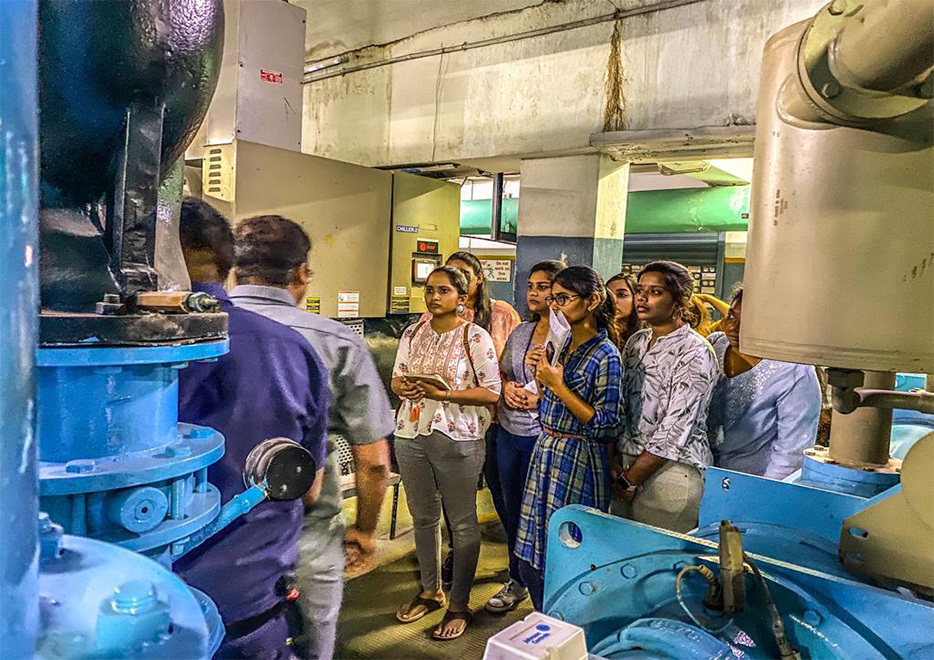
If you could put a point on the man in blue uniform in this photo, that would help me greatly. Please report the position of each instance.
(270, 384)
(272, 272)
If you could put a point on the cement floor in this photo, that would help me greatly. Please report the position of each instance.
(368, 627)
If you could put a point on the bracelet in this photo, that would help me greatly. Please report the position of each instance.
(447, 396)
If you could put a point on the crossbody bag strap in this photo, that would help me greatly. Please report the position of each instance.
(467, 351)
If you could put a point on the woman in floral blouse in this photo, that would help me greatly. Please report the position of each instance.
(499, 319)
(439, 441)
(670, 375)
(579, 413)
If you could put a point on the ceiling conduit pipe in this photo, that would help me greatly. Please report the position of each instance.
(324, 66)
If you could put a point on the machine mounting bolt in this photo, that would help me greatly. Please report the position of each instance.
(178, 451)
(830, 89)
(628, 571)
(812, 618)
(80, 466)
(587, 588)
(837, 7)
(111, 298)
(199, 432)
(134, 597)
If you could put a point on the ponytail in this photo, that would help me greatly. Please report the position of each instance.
(482, 303)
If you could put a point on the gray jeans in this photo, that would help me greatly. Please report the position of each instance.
(435, 468)
(669, 499)
(320, 576)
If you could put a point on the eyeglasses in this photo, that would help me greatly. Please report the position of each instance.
(562, 299)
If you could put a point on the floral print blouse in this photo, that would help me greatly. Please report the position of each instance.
(503, 320)
(424, 351)
(667, 390)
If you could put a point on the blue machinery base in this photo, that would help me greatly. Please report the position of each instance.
(618, 584)
(102, 601)
(616, 578)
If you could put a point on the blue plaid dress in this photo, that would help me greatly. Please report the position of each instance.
(572, 470)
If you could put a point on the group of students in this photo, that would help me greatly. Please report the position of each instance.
(619, 421)
(636, 406)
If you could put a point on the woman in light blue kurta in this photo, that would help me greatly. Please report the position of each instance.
(764, 413)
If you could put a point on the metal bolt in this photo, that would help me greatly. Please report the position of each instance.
(79, 466)
(134, 597)
(178, 451)
(830, 89)
(112, 298)
(837, 7)
(587, 588)
(628, 571)
(199, 432)
(812, 618)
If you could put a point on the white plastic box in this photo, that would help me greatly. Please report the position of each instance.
(537, 637)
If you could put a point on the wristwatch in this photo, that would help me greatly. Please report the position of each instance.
(447, 396)
(625, 484)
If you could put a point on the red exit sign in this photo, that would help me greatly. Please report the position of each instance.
(427, 247)
(270, 76)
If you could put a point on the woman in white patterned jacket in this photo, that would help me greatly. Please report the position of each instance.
(670, 373)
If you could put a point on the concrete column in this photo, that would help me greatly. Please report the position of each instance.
(571, 208)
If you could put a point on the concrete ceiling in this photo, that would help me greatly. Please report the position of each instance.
(337, 26)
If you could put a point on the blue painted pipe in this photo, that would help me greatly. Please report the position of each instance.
(19, 311)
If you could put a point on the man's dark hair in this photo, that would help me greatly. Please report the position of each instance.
(203, 228)
(269, 249)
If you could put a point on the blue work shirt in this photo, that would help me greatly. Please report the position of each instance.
(271, 384)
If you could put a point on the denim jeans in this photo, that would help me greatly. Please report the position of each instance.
(513, 453)
(535, 581)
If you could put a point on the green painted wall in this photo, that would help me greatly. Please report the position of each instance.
(651, 211)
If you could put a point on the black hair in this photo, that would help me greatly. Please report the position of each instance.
(482, 304)
(631, 324)
(269, 250)
(201, 227)
(458, 280)
(680, 284)
(550, 266)
(586, 282)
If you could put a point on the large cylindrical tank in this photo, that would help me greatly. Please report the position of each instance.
(841, 238)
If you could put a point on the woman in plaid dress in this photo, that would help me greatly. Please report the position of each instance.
(580, 414)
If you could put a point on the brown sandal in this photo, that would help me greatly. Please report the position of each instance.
(449, 616)
(429, 604)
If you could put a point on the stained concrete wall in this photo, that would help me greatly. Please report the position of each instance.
(695, 65)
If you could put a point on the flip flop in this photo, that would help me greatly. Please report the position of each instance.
(449, 616)
(429, 604)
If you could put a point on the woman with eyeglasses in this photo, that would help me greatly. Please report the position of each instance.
(623, 288)
(764, 413)
(518, 421)
(498, 318)
(670, 375)
(579, 412)
(439, 441)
